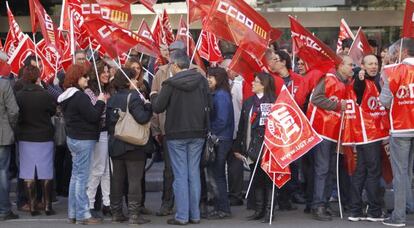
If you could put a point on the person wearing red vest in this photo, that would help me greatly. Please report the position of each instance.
(398, 95)
(368, 168)
(324, 112)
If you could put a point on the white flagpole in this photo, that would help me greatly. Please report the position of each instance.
(401, 45)
(130, 81)
(196, 48)
(338, 146)
(35, 44)
(72, 38)
(254, 171)
(94, 64)
(273, 198)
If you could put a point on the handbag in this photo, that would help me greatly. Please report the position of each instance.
(255, 146)
(209, 153)
(60, 131)
(129, 130)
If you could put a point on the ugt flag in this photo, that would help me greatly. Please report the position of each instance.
(288, 133)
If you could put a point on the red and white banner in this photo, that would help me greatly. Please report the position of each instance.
(279, 176)
(359, 48)
(311, 50)
(237, 22)
(198, 9)
(344, 33)
(288, 134)
(15, 34)
(40, 17)
(147, 45)
(408, 26)
(25, 49)
(183, 34)
(162, 31)
(208, 48)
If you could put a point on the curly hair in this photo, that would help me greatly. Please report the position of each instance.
(73, 74)
(93, 80)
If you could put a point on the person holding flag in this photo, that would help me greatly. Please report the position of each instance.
(327, 105)
(249, 141)
(397, 95)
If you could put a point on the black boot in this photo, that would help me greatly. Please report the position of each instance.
(30, 186)
(320, 214)
(259, 205)
(268, 215)
(47, 188)
(135, 217)
(116, 211)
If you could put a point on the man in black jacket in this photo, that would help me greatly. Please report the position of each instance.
(184, 97)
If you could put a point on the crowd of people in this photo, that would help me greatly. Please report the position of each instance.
(184, 105)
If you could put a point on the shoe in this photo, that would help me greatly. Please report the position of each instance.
(173, 221)
(116, 211)
(164, 211)
(320, 214)
(71, 220)
(191, 221)
(89, 221)
(259, 204)
(203, 210)
(287, 207)
(145, 211)
(106, 211)
(307, 210)
(47, 188)
(9, 216)
(215, 215)
(25, 208)
(95, 213)
(380, 218)
(137, 219)
(356, 217)
(30, 187)
(390, 222)
(298, 198)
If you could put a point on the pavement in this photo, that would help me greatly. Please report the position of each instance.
(154, 182)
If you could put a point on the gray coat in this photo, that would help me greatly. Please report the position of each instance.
(9, 112)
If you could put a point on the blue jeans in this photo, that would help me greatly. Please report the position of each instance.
(402, 150)
(78, 202)
(185, 160)
(4, 180)
(325, 161)
(218, 171)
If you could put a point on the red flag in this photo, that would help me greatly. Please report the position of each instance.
(25, 49)
(359, 47)
(237, 22)
(209, 49)
(117, 12)
(279, 176)
(148, 45)
(149, 4)
(198, 9)
(344, 33)
(408, 26)
(40, 18)
(113, 39)
(166, 28)
(183, 34)
(311, 50)
(15, 34)
(5, 69)
(288, 133)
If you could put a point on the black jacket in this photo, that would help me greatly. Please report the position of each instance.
(185, 97)
(359, 86)
(256, 130)
(141, 112)
(36, 109)
(81, 117)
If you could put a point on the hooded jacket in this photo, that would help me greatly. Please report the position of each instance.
(185, 98)
(81, 117)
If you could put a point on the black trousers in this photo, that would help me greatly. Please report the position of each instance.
(168, 179)
(367, 174)
(308, 167)
(134, 172)
(235, 174)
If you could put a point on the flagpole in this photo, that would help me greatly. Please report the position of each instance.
(273, 197)
(72, 37)
(196, 47)
(338, 147)
(401, 45)
(34, 41)
(188, 28)
(94, 64)
(254, 171)
(130, 81)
